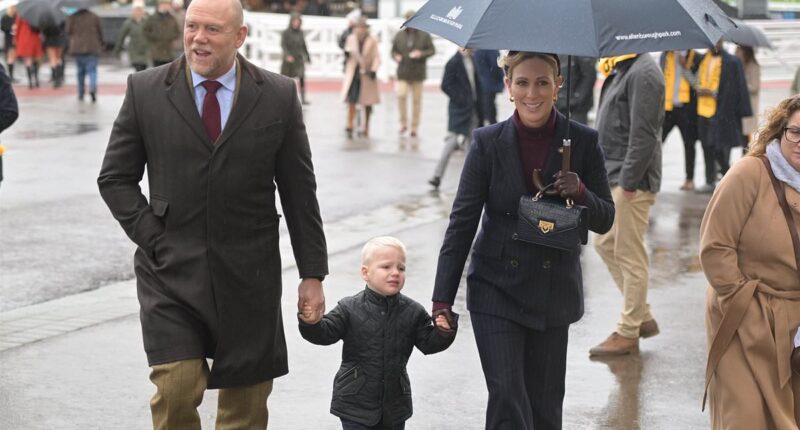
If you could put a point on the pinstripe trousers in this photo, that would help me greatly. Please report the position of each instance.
(524, 370)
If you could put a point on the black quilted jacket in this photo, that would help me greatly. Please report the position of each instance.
(379, 334)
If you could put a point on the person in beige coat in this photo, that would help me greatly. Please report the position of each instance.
(753, 302)
(360, 85)
(752, 75)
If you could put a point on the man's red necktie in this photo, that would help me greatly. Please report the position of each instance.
(212, 120)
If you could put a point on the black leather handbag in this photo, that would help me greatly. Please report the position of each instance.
(548, 220)
(551, 222)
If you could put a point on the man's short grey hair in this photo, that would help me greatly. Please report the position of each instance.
(379, 242)
(238, 12)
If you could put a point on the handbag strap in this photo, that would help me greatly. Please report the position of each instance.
(787, 213)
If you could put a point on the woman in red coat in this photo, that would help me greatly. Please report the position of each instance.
(29, 47)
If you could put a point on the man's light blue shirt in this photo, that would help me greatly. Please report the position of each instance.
(224, 94)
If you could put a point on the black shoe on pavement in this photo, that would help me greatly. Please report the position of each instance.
(435, 182)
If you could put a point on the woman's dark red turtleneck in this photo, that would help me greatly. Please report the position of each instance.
(534, 146)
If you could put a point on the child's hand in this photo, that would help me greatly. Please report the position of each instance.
(442, 323)
(307, 314)
(445, 320)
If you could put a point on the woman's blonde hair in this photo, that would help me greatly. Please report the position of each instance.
(514, 58)
(379, 242)
(774, 123)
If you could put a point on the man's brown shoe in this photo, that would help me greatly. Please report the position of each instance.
(648, 329)
(616, 344)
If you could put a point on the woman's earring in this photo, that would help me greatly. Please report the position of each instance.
(555, 99)
(511, 99)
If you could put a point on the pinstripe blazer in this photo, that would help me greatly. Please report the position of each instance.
(533, 285)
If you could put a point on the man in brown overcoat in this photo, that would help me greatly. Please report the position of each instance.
(218, 136)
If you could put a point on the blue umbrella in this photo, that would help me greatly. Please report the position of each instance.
(590, 28)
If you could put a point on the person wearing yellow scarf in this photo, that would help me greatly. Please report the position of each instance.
(680, 108)
(629, 120)
(606, 65)
(722, 102)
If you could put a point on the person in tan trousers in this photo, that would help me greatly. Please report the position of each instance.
(629, 120)
(753, 299)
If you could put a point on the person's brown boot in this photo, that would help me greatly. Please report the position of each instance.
(616, 344)
(648, 329)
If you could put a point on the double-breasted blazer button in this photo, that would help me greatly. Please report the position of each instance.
(514, 262)
(546, 264)
(514, 236)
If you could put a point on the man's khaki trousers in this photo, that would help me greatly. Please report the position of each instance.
(403, 88)
(624, 252)
(179, 391)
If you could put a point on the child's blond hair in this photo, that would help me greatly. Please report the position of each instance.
(379, 242)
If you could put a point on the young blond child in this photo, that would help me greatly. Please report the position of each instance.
(379, 327)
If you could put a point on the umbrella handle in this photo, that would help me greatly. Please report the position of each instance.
(538, 182)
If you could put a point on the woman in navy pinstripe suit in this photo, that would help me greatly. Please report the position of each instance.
(522, 297)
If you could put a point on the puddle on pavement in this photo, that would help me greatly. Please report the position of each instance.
(56, 129)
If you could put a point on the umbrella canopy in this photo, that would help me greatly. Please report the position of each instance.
(75, 4)
(747, 35)
(41, 13)
(590, 28)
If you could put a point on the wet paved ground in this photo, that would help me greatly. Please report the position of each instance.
(71, 355)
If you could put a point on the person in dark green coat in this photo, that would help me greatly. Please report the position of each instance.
(411, 49)
(161, 30)
(138, 47)
(295, 53)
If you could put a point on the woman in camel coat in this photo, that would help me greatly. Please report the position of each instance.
(753, 303)
(360, 84)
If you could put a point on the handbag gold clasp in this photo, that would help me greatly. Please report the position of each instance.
(546, 226)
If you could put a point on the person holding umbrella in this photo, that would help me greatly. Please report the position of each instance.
(522, 297)
(629, 120)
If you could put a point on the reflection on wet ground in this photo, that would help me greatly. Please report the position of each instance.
(54, 130)
(674, 235)
(622, 408)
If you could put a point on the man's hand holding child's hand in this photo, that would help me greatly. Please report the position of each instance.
(307, 314)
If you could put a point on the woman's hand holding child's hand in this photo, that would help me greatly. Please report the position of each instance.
(442, 323)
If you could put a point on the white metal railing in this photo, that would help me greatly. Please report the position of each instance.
(263, 46)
